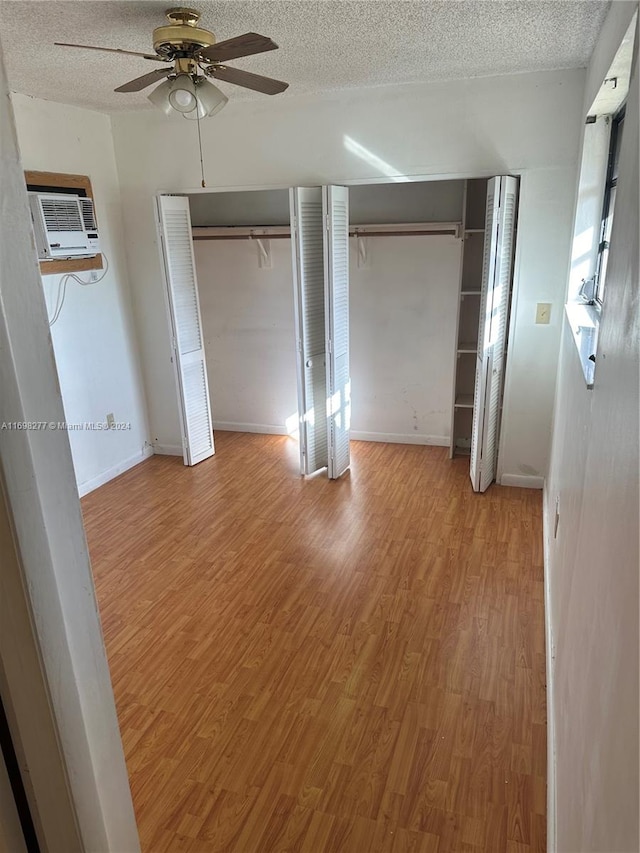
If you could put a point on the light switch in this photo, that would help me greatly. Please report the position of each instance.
(543, 313)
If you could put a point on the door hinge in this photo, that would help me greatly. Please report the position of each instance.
(326, 219)
(329, 346)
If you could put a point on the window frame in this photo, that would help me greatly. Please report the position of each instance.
(608, 207)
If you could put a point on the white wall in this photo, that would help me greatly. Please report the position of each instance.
(52, 569)
(523, 123)
(247, 319)
(592, 564)
(542, 254)
(93, 340)
(403, 309)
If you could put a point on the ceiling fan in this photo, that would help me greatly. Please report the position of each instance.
(189, 52)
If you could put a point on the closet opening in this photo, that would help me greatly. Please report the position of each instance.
(430, 308)
(242, 252)
(405, 260)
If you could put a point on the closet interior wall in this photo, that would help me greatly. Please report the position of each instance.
(403, 312)
(247, 312)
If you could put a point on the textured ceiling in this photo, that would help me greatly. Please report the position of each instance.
(324, 44)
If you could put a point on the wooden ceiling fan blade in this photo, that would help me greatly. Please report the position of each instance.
(111, 50)
(146, 80)
(245, 45)
(266, 85)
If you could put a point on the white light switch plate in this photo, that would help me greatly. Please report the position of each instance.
(543, 313)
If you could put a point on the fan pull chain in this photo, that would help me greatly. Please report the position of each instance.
(200, 147)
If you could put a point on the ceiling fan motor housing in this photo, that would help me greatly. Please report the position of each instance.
(181, 37)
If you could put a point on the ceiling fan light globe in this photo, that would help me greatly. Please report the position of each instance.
(182, 96)
(210, 101)
(159, 97)
(182, 101)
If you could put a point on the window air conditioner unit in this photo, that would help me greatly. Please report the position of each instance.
(64, 226)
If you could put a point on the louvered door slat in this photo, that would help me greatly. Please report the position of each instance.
(186, 327)
(307, 248)
(498, 329)
(492, 331)
(336, 275)
(484, 323)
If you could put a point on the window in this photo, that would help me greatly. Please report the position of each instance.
(609, 204)
(595, 208)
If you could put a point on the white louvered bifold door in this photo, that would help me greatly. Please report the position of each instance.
(307, 247)
(482, 360)
(336, 277)
(492, 331)
(186, 328)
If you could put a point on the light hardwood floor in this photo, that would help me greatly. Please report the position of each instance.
(318, 666)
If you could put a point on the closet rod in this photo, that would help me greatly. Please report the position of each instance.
(352, 233)
(242, 237)
(422, 233)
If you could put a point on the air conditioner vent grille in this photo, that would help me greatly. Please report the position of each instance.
(61, 214)
(88, 217)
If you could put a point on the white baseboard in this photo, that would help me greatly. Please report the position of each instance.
(264, 429)
(522, 481)
(168, 449)
(277, 429)
(550, 649)
(114, 471)
(400, 438)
